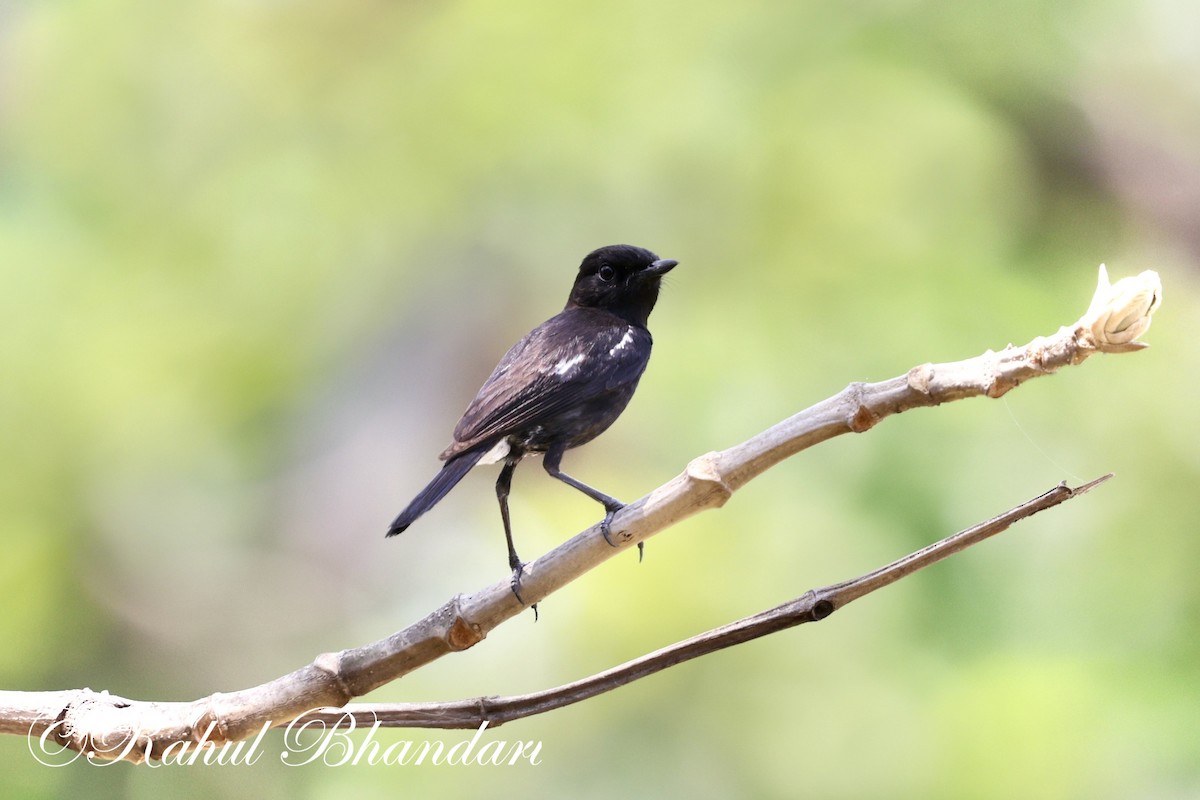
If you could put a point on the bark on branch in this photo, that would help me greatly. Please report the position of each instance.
(114, 727)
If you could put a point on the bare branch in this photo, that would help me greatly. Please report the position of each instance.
(114, 727)
(813, 606)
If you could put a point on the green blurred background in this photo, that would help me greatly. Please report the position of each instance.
(257, 256)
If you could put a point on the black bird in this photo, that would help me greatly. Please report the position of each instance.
(559, 387)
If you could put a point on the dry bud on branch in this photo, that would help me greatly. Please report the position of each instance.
(1120, 312)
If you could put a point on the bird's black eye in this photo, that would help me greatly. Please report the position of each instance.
(606, 273)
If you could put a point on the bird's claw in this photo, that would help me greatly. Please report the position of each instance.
(606, 524)
(518, 571)
(606, 531)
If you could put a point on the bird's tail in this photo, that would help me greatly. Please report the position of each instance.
(452, 472)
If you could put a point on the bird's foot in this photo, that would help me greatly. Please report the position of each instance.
(518, 571)
(606, 523)
(606, 530)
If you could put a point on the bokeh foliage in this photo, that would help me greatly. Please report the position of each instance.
(257, 255)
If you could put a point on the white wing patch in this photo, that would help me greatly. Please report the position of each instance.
(625, 340)
(497, 453)
(568, 364)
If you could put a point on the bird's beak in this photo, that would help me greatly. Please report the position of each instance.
(660, 267)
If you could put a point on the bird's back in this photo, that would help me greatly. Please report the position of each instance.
(546, 383)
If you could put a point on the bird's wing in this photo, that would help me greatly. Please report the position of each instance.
(566, 360)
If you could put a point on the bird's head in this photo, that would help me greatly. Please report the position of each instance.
(621, 279)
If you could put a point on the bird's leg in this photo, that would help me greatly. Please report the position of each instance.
(611, 505)
(503, 485)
